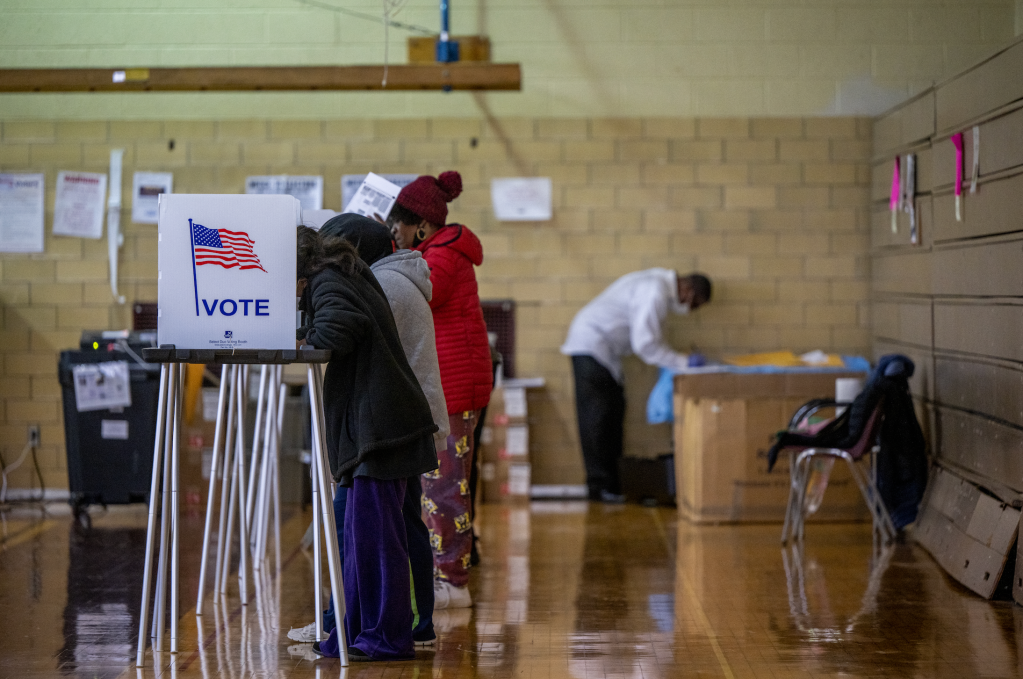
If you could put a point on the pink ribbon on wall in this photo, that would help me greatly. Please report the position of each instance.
(895, 196)
(957, 141)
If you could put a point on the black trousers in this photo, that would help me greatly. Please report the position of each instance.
(600, 411)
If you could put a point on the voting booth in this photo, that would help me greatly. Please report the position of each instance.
(227, 275)
(227, 271)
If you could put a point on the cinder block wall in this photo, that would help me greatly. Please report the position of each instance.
(775, 210)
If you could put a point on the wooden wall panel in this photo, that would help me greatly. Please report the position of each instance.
(990, 330)
(969, 381)
(980, 90)
(1001, 148)
(911, 122)
(881, 173)
(994, 209)
(991, 387)
(907, 321)
(905, 272)
(981, 445)
(882, 236)
(1001, 143)
(984, 269)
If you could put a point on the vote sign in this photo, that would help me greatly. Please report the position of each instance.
(227, 271)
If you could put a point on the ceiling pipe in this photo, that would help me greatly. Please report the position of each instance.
(447, 49)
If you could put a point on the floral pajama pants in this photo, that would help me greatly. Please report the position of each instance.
(447, 507)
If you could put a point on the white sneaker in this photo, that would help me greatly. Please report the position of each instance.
(446, 595)
(304, 635)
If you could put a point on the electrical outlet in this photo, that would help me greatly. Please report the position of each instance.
(33, 435)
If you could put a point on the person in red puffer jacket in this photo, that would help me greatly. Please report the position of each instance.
(417, 221)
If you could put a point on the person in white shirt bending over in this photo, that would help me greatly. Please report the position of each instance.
(624, 319)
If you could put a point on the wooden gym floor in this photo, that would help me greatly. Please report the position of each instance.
(564, 590)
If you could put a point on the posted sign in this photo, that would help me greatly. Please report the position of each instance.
(227, 271)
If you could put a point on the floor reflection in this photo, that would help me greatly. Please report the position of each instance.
(104, 586)
(565, 590)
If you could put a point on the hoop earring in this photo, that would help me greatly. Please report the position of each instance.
(421, 233)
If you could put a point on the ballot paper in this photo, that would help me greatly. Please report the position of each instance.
(521, 199)
(308, 188)
(350, 183)
(80, 204)
(375, 196)
(21, 212)
(100, 386)
(145, 195)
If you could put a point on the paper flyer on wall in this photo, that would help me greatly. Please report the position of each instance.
(100, 386)
(521, 199)
(145, 195)
(308, 189)
(80, 205)
(21, 212)
(350, 183)
(375, 197)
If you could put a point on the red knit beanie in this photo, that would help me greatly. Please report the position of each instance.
(428, 197)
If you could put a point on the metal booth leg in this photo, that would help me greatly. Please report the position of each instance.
(154, 488)
(175, 579)
(223, 546)
(231, 472)
(159, 611)
(314, 462)
(327, 508)
(211, 498)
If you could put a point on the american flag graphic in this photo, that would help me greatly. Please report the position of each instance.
(228, 249)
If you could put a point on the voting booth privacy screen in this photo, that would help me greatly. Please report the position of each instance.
(227, 271)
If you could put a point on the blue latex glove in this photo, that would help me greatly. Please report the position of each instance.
(697, 360)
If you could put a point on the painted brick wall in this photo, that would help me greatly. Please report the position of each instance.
(775, 210)
(603, 58)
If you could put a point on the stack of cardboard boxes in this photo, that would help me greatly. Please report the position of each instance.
(504, 446)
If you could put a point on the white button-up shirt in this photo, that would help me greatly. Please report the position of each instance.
(626, 319)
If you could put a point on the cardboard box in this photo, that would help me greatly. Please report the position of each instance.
(506, 481)
(724, 424)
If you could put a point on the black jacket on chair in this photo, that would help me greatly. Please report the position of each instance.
(378, 422)
(902, 462)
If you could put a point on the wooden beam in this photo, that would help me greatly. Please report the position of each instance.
(456, 76)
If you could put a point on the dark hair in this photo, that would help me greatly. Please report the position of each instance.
(400, 213)
(700, 285)
(316, 252)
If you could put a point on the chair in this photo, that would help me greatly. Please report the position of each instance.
(802, 456)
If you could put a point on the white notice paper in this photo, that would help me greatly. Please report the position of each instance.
(314, 219)
(515, 401)
(350, 183)
(308, 189)
(113, 429)
(99, 386)
(79, 208)
(375, 196)
(519, 479)
(145, 195)
(21, 212)
(516, 440)
(521, 199)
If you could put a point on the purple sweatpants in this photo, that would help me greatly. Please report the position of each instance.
(378, 595)
(447, 505)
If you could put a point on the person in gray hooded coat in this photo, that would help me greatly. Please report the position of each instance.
(404, 277)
